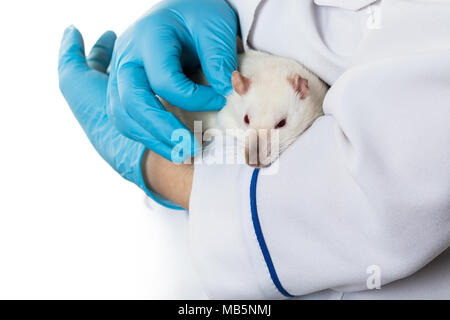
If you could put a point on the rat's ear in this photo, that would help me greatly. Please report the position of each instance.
(241, 84)
(300, 85)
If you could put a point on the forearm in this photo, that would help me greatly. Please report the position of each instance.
(171, 181)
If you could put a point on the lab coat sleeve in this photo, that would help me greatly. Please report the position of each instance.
(366, 188)
(246, 11)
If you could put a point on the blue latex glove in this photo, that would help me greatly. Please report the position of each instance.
(83, 82)
(152, 57)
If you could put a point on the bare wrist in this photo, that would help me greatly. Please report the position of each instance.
(171, 181)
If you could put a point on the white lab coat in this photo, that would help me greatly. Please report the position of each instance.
(367, 186)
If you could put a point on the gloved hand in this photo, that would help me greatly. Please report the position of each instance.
(152, 57)
(83, 82)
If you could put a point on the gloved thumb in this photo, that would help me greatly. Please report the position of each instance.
(81, 86)
(71, 54)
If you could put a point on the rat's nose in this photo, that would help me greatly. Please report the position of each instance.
(258, 149)
(251, 162)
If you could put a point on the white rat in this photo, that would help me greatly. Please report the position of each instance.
(272, 96)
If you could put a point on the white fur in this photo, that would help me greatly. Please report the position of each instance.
(270, 99)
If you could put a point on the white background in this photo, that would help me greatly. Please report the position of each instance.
(70, 227)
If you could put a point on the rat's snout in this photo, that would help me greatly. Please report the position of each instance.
(252, 154)
(260, 148)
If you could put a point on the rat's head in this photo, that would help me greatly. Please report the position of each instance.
(269, 110)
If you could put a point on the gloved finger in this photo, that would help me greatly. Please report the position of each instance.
(100, 55)
(145, 108)
(167, 79)
(71, 54)
(118, 115)
(217, 49)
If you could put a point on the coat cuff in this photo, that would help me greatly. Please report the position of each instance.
(246, 11)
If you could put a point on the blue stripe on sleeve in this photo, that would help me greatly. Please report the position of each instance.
(260, 236)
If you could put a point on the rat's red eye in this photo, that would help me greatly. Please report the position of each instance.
(281, 124)
(247, 119)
